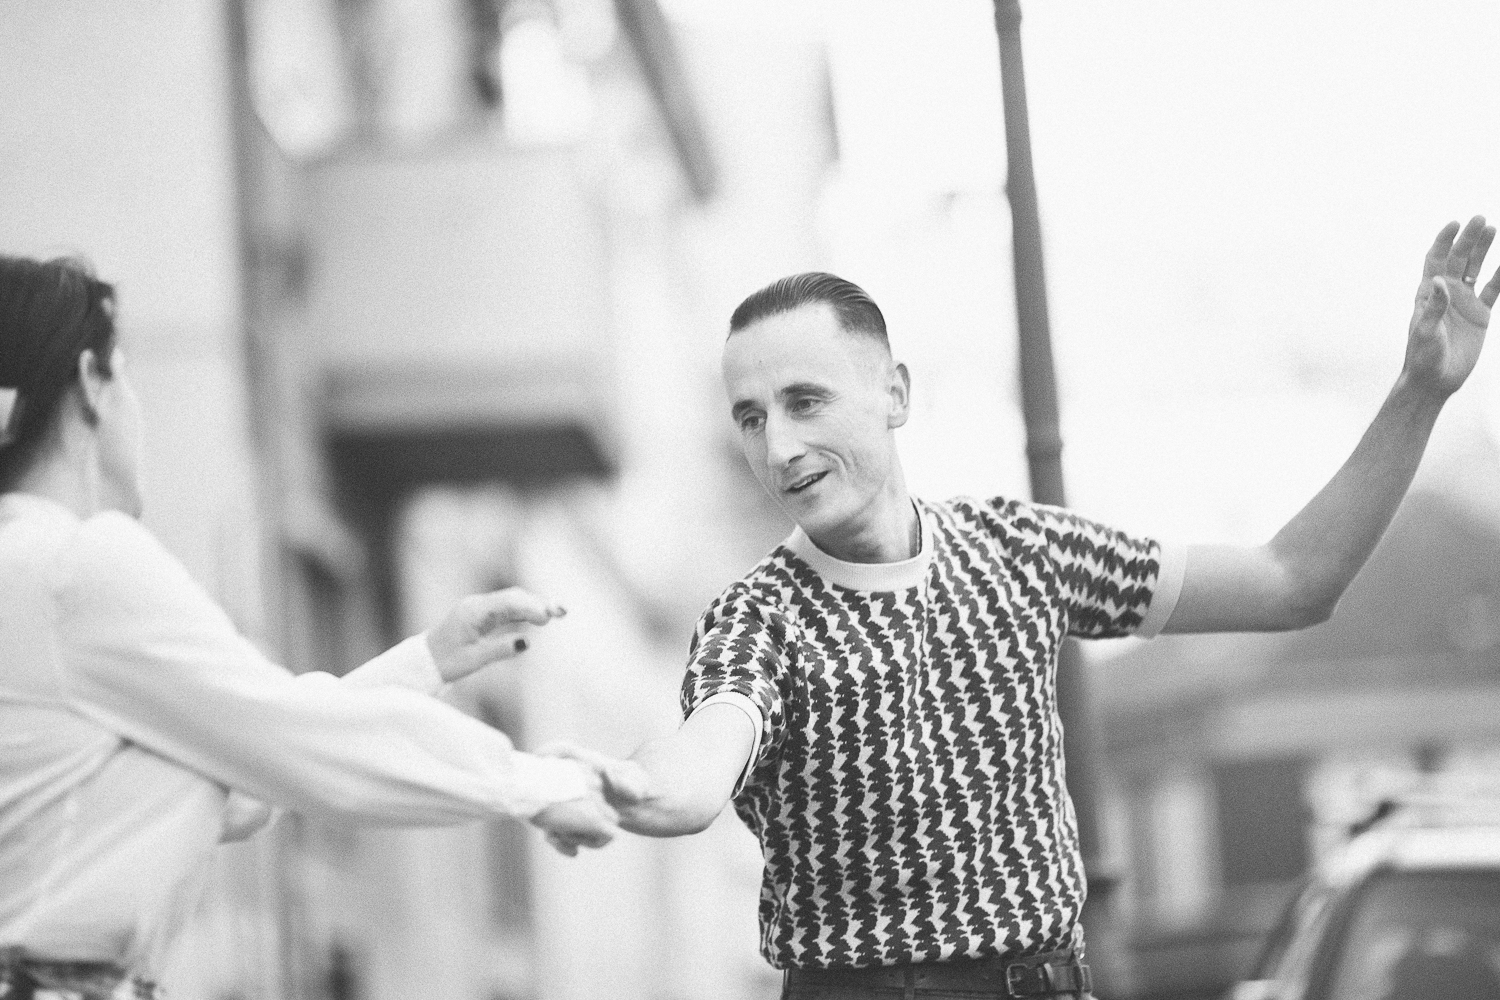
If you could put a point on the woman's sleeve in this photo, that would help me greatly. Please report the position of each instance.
(149, 655)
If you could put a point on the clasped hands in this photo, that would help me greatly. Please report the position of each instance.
(593, 821)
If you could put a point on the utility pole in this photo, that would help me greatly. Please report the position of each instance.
(1043, 435)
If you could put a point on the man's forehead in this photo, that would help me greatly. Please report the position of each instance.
(807, 343)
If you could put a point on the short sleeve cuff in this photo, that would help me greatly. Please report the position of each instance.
(1172, 566)
(757, 720)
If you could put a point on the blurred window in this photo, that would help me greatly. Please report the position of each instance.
(1262, 819)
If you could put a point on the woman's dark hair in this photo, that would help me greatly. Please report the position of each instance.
(857, 312)
(50, 313)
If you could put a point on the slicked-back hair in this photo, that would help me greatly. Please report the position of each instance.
(857, 312)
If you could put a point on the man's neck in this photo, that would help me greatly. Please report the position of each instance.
(893, 534)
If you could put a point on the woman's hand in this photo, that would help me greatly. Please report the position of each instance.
(242, 816)
(587, 822)
(486, 628)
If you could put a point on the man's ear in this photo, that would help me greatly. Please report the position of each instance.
(91, 379)
(900, 390)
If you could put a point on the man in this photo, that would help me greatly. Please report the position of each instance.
(877, 695)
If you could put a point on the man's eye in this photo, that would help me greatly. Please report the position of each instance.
(751, 422)
(805, 404)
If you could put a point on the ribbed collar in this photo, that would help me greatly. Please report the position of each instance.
(891, 576)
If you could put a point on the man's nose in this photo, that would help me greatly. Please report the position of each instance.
(783, 444)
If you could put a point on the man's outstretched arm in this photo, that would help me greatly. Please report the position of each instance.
(1297, 578)
(678, 784)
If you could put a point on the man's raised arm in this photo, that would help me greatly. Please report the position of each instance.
(1297, 578)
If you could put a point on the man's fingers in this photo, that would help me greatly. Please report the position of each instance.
(1476, 255)
(1437, 257)
(624, 780)
(1491, 291)
(1458, 257)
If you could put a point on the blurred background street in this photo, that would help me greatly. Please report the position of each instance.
(427, 296)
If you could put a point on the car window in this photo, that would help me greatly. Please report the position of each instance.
(1287, 955)
(1420, 936)
(1282, 930)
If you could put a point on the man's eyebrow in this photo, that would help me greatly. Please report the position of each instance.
(805, 389)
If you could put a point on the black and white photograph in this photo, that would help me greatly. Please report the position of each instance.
(727, 500)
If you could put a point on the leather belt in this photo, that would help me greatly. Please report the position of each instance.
(1047, 974)
(25, 978)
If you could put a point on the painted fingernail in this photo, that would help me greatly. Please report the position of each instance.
(521, 645)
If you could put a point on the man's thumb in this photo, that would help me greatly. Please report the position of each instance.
(1437, 300)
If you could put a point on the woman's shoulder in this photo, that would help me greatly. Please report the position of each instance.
(113, 533)
(114, 554)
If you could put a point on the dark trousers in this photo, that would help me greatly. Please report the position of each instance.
(887, 993)
(1052, 975)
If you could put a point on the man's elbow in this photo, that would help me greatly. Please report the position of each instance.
(1310, 606)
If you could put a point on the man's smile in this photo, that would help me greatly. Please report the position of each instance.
(798, 485)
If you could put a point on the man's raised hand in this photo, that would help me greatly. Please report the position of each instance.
(486, 628)
(1449, 321)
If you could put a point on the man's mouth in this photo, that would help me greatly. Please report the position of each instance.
(798, 485)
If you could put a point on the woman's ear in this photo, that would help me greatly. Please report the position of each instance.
(91, 379)
(900, 390)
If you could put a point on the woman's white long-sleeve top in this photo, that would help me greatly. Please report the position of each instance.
(129, 704)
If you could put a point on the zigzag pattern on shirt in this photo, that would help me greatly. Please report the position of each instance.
(909, 789)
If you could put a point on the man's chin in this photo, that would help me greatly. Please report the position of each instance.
(814, 515)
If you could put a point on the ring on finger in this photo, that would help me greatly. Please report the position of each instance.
(1468, 279)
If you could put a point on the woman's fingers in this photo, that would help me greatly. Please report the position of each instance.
(510, 606)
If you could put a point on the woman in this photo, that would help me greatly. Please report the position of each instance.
(129, 705)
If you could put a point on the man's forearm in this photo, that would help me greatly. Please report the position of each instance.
(1326, 543)
(674, 808)
(691, 773)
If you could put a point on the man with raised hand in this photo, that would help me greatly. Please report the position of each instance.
(877, 696)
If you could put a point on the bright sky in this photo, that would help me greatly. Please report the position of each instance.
(1235, 198)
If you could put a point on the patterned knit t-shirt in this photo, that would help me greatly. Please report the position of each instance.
(907, 782)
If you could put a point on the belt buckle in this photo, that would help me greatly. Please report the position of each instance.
(1012, 980)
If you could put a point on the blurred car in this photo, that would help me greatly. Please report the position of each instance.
(1407, 910)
